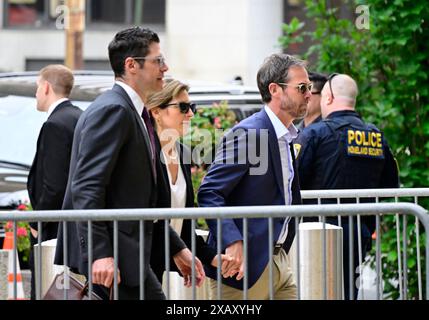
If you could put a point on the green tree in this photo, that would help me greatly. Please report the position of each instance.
(390, 62)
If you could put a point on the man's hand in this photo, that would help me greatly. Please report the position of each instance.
(103, 271)
(234, 266)
(183, 261)
(223, 258)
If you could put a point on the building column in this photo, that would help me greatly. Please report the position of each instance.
(220, 39)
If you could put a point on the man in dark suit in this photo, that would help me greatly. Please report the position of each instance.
(115, 164)
(47, 179)
(255, 166)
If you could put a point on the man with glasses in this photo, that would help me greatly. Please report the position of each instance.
(344, 152)
(115, 164)
(234, 179)
(314, 114)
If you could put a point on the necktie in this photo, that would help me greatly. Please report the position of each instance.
(151, 132)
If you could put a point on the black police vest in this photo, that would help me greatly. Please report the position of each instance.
(360, 154)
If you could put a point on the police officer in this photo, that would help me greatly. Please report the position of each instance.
(344, 152)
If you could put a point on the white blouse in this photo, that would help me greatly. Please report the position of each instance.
(177, 194)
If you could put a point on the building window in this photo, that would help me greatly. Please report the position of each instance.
(128, 12)
(99, 13)
(28, 13)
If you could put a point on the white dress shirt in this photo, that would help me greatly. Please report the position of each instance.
(284, 137)
(136, 100)
(54, 105)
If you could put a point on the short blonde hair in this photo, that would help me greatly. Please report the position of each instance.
(60, 77)
(171, 89)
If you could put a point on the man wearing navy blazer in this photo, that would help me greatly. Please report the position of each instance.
(255, 166)
(115, 164)
(47, 179)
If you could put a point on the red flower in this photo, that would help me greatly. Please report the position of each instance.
(8, 226)
(217, 123)
(21, 232)
(22, 207)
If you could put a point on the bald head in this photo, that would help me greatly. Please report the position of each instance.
(342, 97)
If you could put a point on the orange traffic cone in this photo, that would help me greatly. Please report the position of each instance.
(8, 241)
(8, 245)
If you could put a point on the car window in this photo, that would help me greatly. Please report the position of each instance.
(20, 124)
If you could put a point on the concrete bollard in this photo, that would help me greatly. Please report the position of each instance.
(311, 261)
(4, 262)
(49, 270)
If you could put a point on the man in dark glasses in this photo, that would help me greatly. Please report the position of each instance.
(285, 89)
(314, 114)
(344, 152)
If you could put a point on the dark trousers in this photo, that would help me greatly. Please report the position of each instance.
(152, 290)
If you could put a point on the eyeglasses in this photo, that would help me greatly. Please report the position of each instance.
(183, 106)
(302, 87)
(331, 76)
(160, 60)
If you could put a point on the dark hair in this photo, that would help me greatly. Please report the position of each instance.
(274, 70)
(318, 79)
(131, 42)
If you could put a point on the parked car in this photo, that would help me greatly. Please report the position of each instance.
(20, 122)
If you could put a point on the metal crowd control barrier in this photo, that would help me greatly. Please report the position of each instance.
(413, 195)
(246, 213)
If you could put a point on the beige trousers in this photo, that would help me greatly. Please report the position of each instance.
(283, 283)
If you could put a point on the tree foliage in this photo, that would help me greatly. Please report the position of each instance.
(390, 62)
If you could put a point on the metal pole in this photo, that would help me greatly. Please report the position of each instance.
(167, 256)
(270, 256)
(245, 259)
(351, 259)
(74, 34)
(65, 259)
(90, 288)
(219, 259)
(15, 257)
(115, 259)
(419, 268)
(404, 256)
(39, 261)
(141, 258)
(194, 252)
(324, 260)
(378, 256)
(298, 272)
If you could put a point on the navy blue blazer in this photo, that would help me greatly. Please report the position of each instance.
(231, 183)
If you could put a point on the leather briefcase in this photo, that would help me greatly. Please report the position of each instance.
(76, 290)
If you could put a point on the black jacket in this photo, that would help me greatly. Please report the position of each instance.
(48, 175)
(203, 251)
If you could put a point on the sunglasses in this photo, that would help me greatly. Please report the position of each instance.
(302, 87)
(183, 106)
(331, 76)
(160, 60)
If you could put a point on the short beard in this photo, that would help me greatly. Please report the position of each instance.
(293, 109)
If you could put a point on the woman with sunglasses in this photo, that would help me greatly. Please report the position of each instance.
(172, 111)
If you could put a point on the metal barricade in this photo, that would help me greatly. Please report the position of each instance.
(413, 195)
(270, 212)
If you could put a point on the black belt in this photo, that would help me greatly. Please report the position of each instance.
(277, 248)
